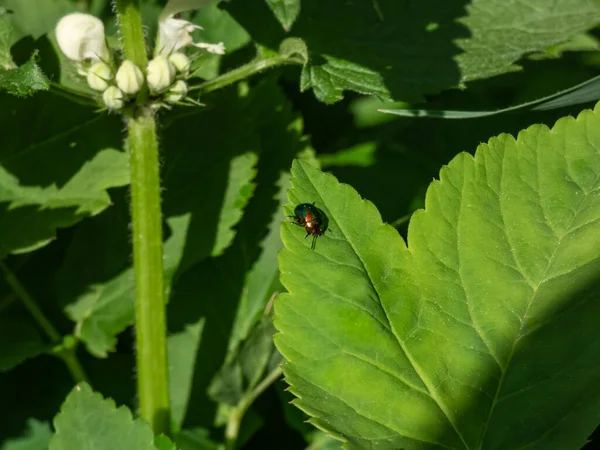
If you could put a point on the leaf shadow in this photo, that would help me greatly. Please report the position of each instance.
(213, 288)
(410, 45)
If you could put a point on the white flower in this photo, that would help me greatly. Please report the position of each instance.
(177, 92)
(113, 98)
(174, 34)
(98, 76)
(160, 73)
(81, 36)
(180, 61)
(129, 77)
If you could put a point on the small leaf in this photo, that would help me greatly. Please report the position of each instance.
(36, 437)
(86, 420)
(246, 367)
(103, 312)
(491, 308)
(286, 11)
(19, 340)
(24, 80)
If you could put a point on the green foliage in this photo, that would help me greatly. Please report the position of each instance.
(36, 437)
(286, 11)
(398, 50)
(77, 159)
(479, 332)
(86, 420)
(25, 80)
(19, 340)
(435, 341)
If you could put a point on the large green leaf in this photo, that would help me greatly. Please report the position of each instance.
(57, 161)
(482, 333)
(86, 420)
(403, 50)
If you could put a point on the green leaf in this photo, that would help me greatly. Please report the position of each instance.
(208, 180)
(582, 93)
(19, 340)
(402, 51)
(24, 80)
(286, 11)
(196, 439)
(218, 26)
(55, 170)
(183, 348)
(103, 312)
(87, 420)
(35, 18)
(246, 367)
(6, 61)
(36, 437)
(490, 309)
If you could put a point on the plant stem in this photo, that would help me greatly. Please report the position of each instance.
(243, 72)
(150, 320)
(132, 32)
(235, 417)
(67, 355)
(148, 261)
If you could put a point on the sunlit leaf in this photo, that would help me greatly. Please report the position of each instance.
(87, 420)
(490, 309)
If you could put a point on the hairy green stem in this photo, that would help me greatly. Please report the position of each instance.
(132, 32)
(150, 314)
(148, 262)
(68, 355)
(243, 72)
(235, 417)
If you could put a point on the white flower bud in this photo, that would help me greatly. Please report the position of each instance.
(160, 74)
(81, 36)
(113, 98)
(129, 77)
(177, 92)
(98, 76)
(180, 61)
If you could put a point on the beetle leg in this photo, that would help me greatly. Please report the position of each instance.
(307, 235)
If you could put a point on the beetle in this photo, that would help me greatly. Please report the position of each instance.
(314, 221)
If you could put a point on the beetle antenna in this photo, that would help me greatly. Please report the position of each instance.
(314, 242)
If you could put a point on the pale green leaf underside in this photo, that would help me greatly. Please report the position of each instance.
(482, 334)
(88, 421)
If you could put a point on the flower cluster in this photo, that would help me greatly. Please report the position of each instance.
(81, 38)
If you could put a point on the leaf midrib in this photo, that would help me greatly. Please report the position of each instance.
(430, 388)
